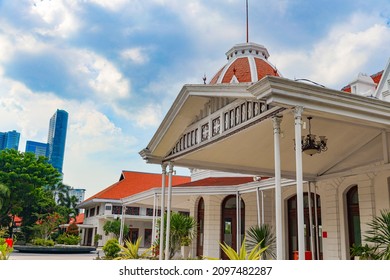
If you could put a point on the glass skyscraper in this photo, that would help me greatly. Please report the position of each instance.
(56, 139)
(9, 140)
(38, 148)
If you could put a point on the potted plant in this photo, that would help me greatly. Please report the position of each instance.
(185, 246)
(96, 239)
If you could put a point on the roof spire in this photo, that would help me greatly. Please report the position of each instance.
(247, 24)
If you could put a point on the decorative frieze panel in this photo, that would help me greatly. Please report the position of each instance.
(216, 126)
(223, 121)
(205, 132)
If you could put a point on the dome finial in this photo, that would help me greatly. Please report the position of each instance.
(247, 22)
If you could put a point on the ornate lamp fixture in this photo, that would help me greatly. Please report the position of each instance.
(311, 145)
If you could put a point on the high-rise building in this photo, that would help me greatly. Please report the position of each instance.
(38, 148)
(56, 139)
(9, 140)
(78, 193)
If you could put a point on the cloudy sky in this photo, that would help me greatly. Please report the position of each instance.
(116, 65)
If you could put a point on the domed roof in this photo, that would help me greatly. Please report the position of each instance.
(246, 63)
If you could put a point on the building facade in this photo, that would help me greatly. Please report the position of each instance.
(9, 140)
(78, 193)
(56, 139)
(107, 205)
(38, 148)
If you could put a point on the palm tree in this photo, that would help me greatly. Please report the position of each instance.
(262, 234)
(379, 235)
(182, 230)
(59, 191)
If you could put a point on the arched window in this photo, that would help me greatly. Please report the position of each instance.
(316, 239)
(229, 222)
(353, 216)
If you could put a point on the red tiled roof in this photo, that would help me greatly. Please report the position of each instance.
(17, 221)
(79, 219)
(242, 70)
(375, 77)
(132, 182)
(218, 181)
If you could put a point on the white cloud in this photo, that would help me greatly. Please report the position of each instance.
(340, 56)
(57, 18)
(149, 115)
(99, 74)
(136, 55)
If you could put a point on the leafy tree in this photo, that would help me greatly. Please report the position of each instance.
(73, 229)
(4, 194)
(60, 193)
(27, 179)
(115, 228)
(111, 249)
(46, 225)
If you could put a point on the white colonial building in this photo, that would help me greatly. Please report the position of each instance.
(247, 121)
(107, 205)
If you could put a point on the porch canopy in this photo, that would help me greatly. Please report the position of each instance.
(232, 128)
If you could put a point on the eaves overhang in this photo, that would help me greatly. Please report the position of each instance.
(188, 103)
(95, 201)
(287, 93)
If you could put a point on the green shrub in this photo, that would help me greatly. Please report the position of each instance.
(5, 251)
(68, 239)
(111, 249)
(43, 242)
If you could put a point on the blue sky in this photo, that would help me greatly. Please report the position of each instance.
(117, 65)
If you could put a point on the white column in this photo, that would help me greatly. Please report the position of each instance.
(258, 206)
(168, 211)
(299, 179)
(278, 189)
(122, 223)
(164, 172)
(154, 218)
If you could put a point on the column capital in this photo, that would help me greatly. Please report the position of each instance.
(164, 167)
(170, 166)
(276, 120)
(298, 110)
